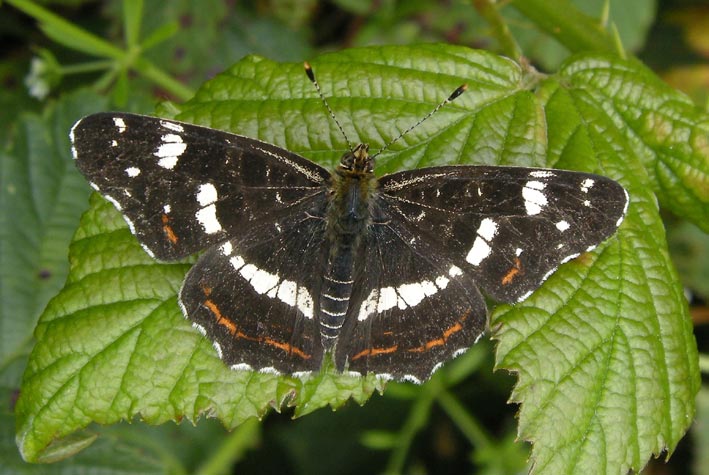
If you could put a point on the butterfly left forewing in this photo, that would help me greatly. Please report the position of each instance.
(183, 187)
(508, 228)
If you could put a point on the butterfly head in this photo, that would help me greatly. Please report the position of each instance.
(357, 161)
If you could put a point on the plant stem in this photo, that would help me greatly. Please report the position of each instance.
(489, 10)
(417, 419)
(461, 417)
(232, 449)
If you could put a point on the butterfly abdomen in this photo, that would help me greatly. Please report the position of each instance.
(348, 218)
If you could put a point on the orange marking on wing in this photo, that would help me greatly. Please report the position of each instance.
(221, 320)
(375, 351)
(513, 272)
(207, 291)
(225, 322)
(455, 328)
(171, 236)
(287, 348)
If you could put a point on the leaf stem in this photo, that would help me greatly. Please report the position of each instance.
(232, 449)
(467, 424)
(416, 420)
(88, 67)
(489, 10)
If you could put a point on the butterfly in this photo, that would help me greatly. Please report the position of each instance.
(383, 275)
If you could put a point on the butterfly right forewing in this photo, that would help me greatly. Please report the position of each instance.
(508, 228)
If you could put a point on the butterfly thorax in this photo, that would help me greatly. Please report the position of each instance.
(348, 216)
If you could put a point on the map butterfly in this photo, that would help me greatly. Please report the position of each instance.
(384, 275)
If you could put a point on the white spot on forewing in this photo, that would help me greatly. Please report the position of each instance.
(207, 194)
(534, 198)
(442, 282)
(167, 209)
(172, 126)
(168, 163)
(171, 148)
(120, 124)
(226, 248)
(114, 143)
(562, 225)
(237, 262)
(455, 271)
(132, 171)
(207, 217)
(586, 203)
(518, 251)
(478, 252)
(587, 184)
(487, 229)
(541, 173)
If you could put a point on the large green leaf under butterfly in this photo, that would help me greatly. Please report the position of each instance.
(384, 273)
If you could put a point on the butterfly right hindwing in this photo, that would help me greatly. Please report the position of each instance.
(412, 307)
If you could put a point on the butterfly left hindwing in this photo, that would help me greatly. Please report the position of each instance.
(252, 298)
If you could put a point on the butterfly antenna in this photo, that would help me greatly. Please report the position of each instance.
(311, 76)
(461, 89)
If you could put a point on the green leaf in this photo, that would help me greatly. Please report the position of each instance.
(662, 126)
(66, 33)
(113, 344)
(41, 198)
(604, 352)
(632, 18)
